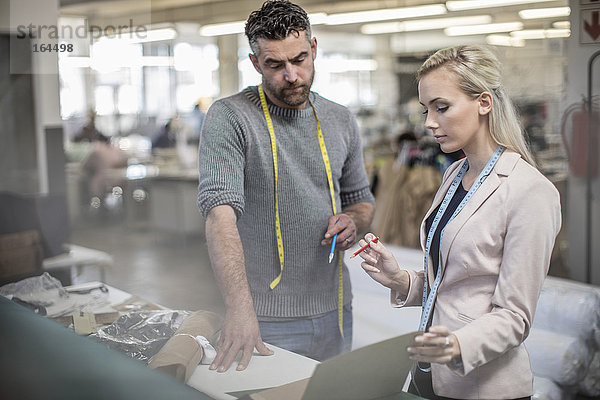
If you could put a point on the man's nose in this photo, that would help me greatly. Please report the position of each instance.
(290, 73)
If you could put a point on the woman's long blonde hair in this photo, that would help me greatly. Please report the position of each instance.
(478, 70)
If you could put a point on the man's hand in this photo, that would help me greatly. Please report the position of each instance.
(344, 226)
(240, 332)
(348, 224)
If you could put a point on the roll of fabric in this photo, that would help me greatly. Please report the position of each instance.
(564, 359)
(571, 308)
(547, 389)
(590, 386)
(182, 353)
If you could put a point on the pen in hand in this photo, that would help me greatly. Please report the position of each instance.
(331, 251)
(357, 252)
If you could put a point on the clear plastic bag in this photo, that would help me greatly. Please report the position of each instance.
(141, 334)
(45, 291)
(42, 290)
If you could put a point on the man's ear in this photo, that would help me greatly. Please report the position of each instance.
(254, 60)
(485, 103)
(313, 47)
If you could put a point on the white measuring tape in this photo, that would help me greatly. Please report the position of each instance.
(428, 300)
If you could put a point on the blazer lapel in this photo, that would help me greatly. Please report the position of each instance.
(503, 167)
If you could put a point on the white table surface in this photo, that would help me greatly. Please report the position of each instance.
(262, 372)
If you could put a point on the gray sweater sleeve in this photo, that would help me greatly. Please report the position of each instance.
(354, 185)
(221, 160)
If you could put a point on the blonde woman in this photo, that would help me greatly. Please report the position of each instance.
(487, 238)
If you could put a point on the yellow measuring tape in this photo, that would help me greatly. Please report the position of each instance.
(263, 101)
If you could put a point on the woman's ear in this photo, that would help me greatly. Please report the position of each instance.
(485, 103)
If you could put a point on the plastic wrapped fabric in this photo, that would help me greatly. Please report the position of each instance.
(571, 308)
(180, 356)
(590, 386)
(47, 292)
(141, 334)
(43, 289)
(546, 389)
(564, 359)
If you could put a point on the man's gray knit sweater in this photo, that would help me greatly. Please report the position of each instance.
(236, 168)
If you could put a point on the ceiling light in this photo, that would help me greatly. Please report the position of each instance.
(157, 35)
(483, 29)
(335, 66)
(317, 18)
(461, 5)
(545, 13)
(385, 14)
(504, 40)
(562, 24)
(541, 33)
(142, 36)
(423, 24)
(227, 28)
(236, 27)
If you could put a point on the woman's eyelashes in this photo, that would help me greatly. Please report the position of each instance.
(440, 109)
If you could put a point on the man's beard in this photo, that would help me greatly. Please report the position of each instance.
(285, 96)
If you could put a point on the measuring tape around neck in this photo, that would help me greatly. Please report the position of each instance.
(429, 299)
(275, 282)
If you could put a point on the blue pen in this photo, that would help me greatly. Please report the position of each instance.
(332, 251)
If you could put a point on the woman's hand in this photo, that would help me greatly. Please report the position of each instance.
(436, 346)
(381, 265)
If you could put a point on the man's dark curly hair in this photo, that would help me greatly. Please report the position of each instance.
(276, 20)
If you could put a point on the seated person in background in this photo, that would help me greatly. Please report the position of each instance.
(167, 136)
(96, 164)
(89, 132)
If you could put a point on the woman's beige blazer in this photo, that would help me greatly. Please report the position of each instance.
(495, 256)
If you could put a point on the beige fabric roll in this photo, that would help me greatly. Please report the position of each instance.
(403, 197)
(180, 356)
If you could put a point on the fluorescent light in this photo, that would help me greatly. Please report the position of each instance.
(236, 27)
(545, 12)
(462, 5)
(504, 40)
(153, 35)
(423, 24)
(562, 24)
(385, 14)
(541, 33)
(317, 18)
(483, 29)
(227, 28)
(333, 65)
(156, 35)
